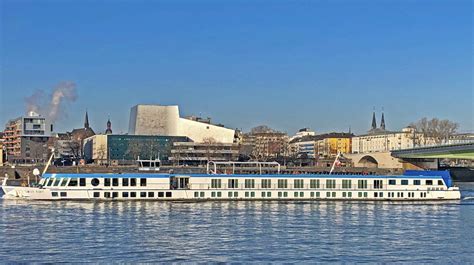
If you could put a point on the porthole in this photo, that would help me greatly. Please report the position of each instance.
(95, 182)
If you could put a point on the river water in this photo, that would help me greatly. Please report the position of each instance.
(433, 232)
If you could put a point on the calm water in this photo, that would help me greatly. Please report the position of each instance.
(238, 231)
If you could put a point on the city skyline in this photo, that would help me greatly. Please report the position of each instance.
(287, 65)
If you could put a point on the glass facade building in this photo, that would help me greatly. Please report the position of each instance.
(129, 147)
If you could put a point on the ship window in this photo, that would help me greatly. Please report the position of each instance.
(125, 182)
(133, 194)
(115, 182)
(314, 184)
(63, 194)
(142, 182)
(107, 182)
(54, 194)
(250, 183)
(362, 184)
(143, 194)
(95, 182)
(266, 183)
(429, 182)
(161, 194)
(232, 183)
(48, 182)
(416, 182)
(282, 183)
(404, 181)
(96, 194)
(330, 183)
(216, 183)
(346, 183)
(114, 194)
(378, 184)
(168, 194)
(151, 194)
(107, 194)
(125, 194)
(440, 182)
(133, 182)
(392, 182)
(82, 182)
(73, 182)
(298, 183)
(56, 182)
(64, 182)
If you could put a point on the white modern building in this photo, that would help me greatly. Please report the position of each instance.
(165, 121)
(302, 133)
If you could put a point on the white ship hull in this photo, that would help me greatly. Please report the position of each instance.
(210, 187)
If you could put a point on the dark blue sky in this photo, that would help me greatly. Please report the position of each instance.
(287, 64)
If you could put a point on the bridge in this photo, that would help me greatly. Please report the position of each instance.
(453, 151)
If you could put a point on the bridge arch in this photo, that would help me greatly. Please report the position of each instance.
(369, 162)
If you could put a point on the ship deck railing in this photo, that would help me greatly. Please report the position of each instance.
(263, 167)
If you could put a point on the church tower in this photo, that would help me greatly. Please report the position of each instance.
(86, 121)
(374, 122)
(382, 122)
(109, 127)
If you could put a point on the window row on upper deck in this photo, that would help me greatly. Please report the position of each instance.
(106, 182)
(313, 183)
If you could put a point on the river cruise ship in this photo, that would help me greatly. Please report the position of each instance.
(228, 185)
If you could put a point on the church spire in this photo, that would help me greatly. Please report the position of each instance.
(374, 122)
(109, 127)
(86, 121)
(382, 122)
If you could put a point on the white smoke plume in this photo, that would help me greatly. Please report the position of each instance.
(52, 106)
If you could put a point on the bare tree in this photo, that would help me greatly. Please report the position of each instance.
(435, 129)
(74, 147)
(134, 149)
(211, 146)
(101, 153)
